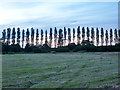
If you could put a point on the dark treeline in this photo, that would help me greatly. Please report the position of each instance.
(62, 40)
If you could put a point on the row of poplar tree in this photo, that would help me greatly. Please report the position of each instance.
(61, 36)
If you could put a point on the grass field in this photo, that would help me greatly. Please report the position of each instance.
(61, 70)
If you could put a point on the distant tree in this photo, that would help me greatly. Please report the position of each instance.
(13, 36)
(74, 35)
(60, 40)
(37, 37)
(4, 35)
(8, 35)
(61, 37)
(111, 36)
(115, 36)
(41, 37)
(23, 37)
(78, 35)
(88, 34)
(83, 34)
(28, 48)
(15, 48)
(46, 42)
(32, 36)
(50, 37)
(106, 38)
(71, 46)
(27, 36)
(119, 36)
(102, 36)
(18, 36)
(92, 35)
(69, 36)
(86, 42)
(5, 48)
(97, 36)
(55, 36)
(65, 33)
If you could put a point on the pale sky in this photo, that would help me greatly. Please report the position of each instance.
(44, 14)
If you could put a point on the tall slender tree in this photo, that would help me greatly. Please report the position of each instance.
(115, 36)
(102, 36)
(78, 35)
(97, 36)
(111, 36)
(50, 37)
(18, 35)
(60, 40)
(37, 37)
(92, 35)
(106, 38)
(73, 35)
(23, 37)
(41, 37)
(69, 36)
(27, 36)
(65, 35)
(61, 37)
(32, 36)
(8, 35)
(88, 34)
(4, 35)
(46, 42)
(55, 37)
(13, 36)
(119, 36)
(83, 34)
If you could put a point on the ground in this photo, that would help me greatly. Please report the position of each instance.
(61, 70)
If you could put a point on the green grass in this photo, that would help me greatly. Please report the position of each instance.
(61, 70)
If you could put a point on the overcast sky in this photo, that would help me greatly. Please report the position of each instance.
(44, 15)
